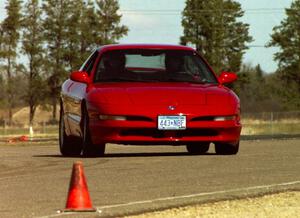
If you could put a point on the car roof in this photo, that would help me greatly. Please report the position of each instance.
(144, 46)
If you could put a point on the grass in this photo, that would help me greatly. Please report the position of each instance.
(271, 129)
(275, 205)
(259, 127)
(41, 131)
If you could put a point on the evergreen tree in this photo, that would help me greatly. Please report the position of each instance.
(88, 35)
(2, 87)
(258, 85)
(33, 49)
(213, 27)
(10, 36)
(2, 70)
(251, 89)
(73, 35)
(109, 28)
(80, 34)
(1, 42)
(287, 37)
(55, 25)
(258, 91)
(72, 30)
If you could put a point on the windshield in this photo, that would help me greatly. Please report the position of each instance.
(146, 65)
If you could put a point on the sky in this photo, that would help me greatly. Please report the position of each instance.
(159, 21)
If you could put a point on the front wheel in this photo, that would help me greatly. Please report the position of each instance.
(90, 149)
(68, 145)
(226, 148)
(197, 149)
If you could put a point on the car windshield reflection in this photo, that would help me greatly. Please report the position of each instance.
(142, 65)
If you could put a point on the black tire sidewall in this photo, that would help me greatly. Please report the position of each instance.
(226, 148)
(197, 148)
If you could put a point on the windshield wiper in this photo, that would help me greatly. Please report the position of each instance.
(126, 80)
(187, 81)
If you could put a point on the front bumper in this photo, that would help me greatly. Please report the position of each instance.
(144, 132)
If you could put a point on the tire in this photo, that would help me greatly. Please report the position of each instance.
(68, 145)
(90, 149)
(227, 149)
(196, 149)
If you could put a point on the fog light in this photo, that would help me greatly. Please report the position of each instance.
(110, 117)
(224, 118)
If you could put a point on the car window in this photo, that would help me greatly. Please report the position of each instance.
(197, 67)
(146, 65)
(140, 61)
(89, 63)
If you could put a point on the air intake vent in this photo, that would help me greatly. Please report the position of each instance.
(205, 118)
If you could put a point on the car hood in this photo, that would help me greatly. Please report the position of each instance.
(160, 94)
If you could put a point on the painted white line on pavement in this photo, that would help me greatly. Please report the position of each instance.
(179, 197)
(198, 195)
(61, 213)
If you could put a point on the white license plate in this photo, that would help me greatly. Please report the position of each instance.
(171, 122)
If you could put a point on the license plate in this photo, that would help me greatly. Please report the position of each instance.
(171, 122)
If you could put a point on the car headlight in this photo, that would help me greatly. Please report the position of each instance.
(111, 117)
(224, 118)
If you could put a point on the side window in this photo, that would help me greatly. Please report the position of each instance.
(89, 63)
(200, 69)
(190, 66)
(100, 69)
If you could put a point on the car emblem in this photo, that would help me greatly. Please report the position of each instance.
(171, 107)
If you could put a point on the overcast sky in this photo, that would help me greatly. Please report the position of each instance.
(159, 21)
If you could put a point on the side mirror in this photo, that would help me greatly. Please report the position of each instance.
(80, 76)
(227, 77)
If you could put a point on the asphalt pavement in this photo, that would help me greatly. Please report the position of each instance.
(34, 177)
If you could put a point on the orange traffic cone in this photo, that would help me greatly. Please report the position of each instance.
(78, 197)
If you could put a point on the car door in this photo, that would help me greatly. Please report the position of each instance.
(73, 93)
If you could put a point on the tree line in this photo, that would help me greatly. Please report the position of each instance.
(57, 35)
(215, 28)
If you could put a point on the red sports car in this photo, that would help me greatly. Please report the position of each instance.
(147, 95)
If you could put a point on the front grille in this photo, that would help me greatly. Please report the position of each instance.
(146, 132)
(139, 118)
(143, 132)
(204, 118)
(196, 132)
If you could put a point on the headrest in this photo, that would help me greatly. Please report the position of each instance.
(114, 60)
(174, 62)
